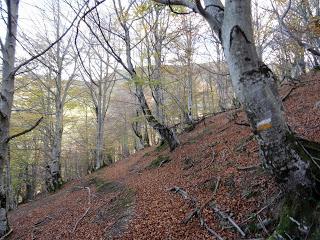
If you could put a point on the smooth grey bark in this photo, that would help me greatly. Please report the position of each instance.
(189, 54)
(100, 85)
(59, 60)
(256, 88)
(159, 34)
(8, 50)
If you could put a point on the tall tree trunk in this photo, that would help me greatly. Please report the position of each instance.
(99, 133)
(256, 88)
(54, 178)
(125, 145)
(158, 91)
(100, 143)
(137, 130)
(6, 100)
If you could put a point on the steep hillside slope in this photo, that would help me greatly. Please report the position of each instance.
(214, 176)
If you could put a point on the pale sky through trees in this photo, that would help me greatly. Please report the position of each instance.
(35, 16)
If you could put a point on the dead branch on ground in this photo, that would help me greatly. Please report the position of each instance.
(248, 168)
(227, 217)
(197, 211)
(85, 213)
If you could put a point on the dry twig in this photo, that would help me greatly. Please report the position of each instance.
(85, 213)
(197, 212)
(225, 216)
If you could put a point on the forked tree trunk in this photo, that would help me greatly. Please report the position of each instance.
(165, 132)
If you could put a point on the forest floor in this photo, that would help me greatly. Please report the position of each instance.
(217, 165)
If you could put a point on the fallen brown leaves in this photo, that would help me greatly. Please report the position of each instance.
(243, 193)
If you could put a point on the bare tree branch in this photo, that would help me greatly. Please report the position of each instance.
(25, 131)
(52, 44)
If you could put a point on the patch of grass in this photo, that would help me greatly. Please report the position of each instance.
(105, 186)
(159, 161)
(119, 206)
(147, 154)
(192, 141)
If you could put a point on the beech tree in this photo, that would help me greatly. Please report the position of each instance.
(8, 50)
(256, 88)
(100, 85)
(125, 21)
(59, 80)
(299, 21)
(9, 70)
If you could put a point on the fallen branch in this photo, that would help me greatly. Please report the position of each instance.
(7, 234)
(252, 167)
(164, 162)
(217, 186)
(301, 227)
(227, 217)
(287, 94)
(184, 194)
(197, 211)
(262, 224)
(85, 213)
(210, 230)
(42, 220)
(262, 209)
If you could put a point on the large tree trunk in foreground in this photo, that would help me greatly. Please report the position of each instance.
(256, 88)
(281, 152)
(6, 100)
